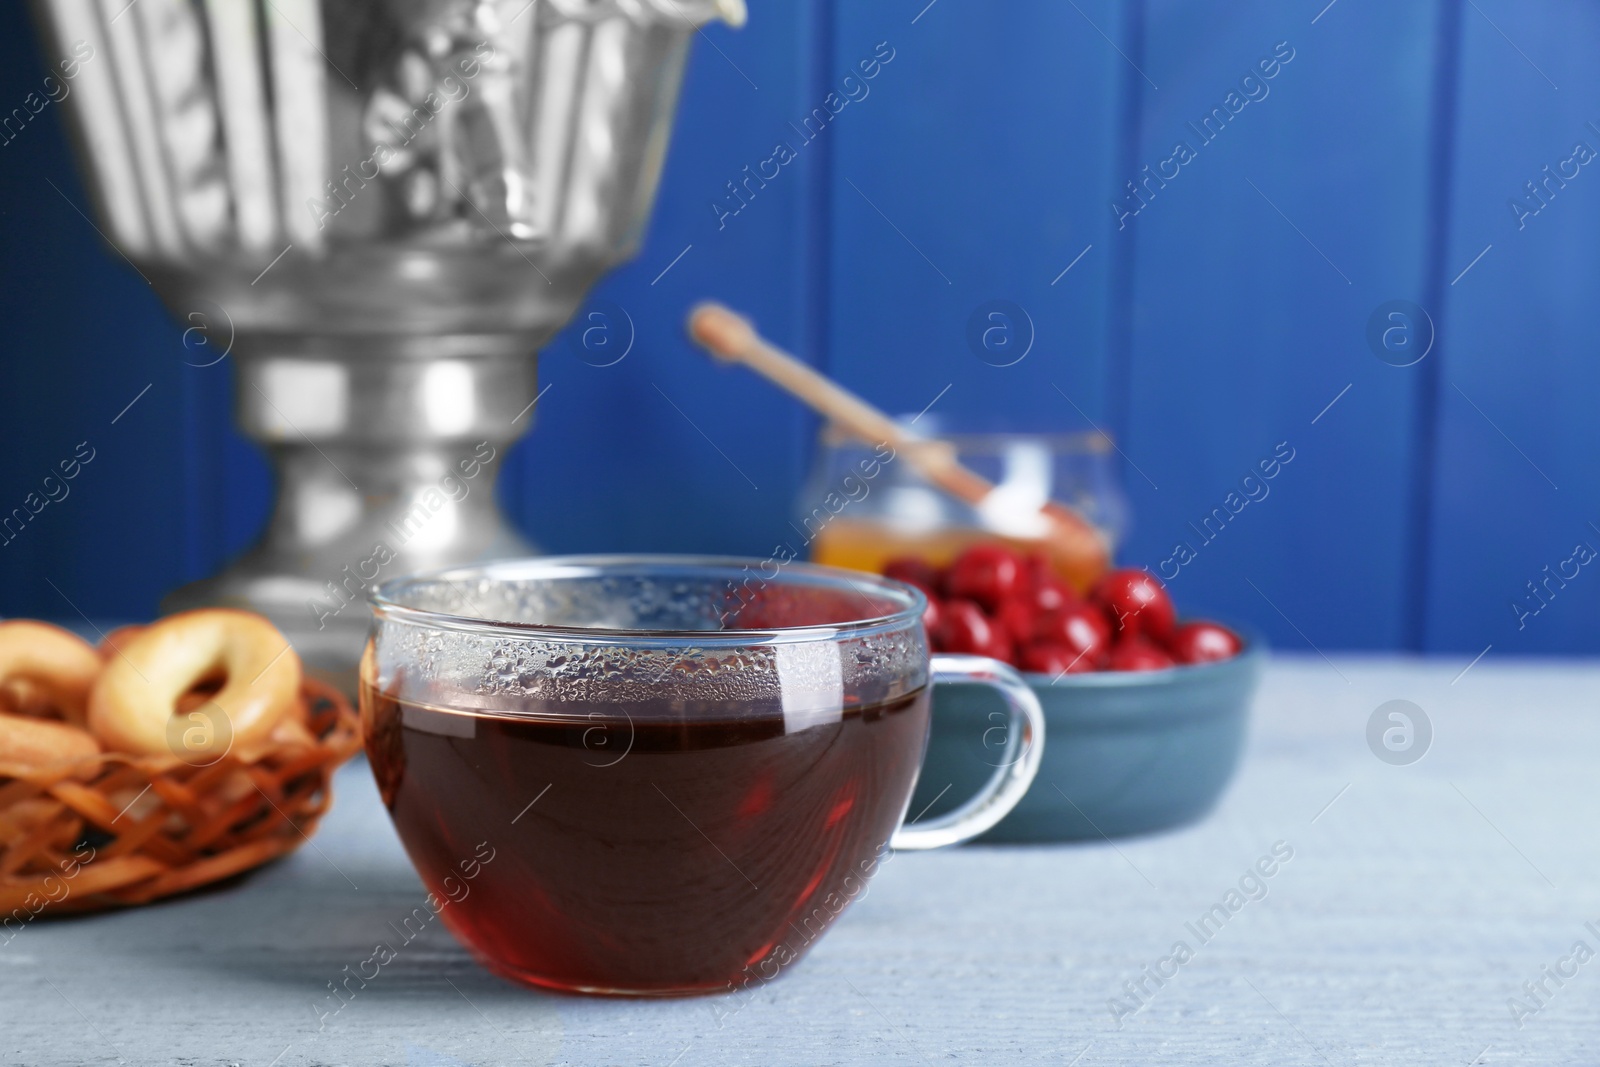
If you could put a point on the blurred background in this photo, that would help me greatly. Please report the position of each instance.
(1210, 306)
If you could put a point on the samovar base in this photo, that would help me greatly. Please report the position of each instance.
(386, 462)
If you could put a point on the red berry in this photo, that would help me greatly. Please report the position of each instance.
(1001, 647)
(1043, 658)
(915, 572)
(1045, 589)
(1037, 567)
(967, 629)
(1017, 616)
(933, 621)
(989, 574)
(1136, 603)
(1137, 654)
(1203, 642)
(1052, 594)
(1080, 629)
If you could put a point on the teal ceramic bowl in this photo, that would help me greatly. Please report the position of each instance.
(1125, 752)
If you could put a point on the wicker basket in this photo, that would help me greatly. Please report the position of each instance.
(72, 840)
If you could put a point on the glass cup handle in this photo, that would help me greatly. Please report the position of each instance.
(1018, 764)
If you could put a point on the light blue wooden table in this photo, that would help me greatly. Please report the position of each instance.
(1418, 901)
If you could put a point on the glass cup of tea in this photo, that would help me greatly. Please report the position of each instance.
(661, 775)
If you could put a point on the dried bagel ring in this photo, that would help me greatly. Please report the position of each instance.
(44, 666)
(42, 742)
(134, 705)
(112, 643)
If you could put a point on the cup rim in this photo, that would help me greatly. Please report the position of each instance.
(386, 603)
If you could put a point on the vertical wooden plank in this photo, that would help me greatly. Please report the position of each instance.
(1516, 484)
(228, 485)
(84, 336)
(247, 494)
(202, 470)
(975, 170)
(1297, 205)
(661, 450)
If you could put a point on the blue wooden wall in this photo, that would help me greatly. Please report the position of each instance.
(1215, 313)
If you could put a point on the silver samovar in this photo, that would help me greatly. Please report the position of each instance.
(385, 207)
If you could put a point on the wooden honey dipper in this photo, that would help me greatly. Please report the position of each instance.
(731, 338)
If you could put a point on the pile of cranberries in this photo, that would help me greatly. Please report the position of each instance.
(993, 602)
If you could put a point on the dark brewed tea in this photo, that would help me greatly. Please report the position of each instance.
(651, 850)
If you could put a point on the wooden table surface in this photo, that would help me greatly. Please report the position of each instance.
(1418, 901)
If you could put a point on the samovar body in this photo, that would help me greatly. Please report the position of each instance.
(380, 209)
